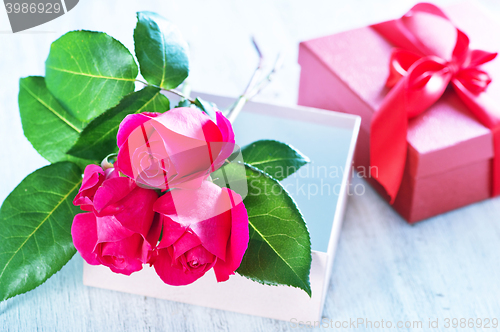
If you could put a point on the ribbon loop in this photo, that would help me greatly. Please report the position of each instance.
(400, 63)
(473, 79)
(425, 84)
(419, 74)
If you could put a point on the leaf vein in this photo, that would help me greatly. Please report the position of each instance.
(38, 227)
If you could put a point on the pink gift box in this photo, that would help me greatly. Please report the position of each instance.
(449, 151)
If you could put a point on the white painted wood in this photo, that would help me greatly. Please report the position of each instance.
(445, 267)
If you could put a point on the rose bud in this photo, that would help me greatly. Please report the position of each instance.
(121, 230)
(202, 228)
(178, 148)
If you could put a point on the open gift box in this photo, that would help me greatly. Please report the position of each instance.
(320, 189)
(449, 150)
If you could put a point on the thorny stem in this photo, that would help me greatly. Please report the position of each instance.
(257, 70)
(235, 111)
(254, 87)
(277, 66)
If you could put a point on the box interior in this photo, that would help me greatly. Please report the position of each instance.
(316, 186)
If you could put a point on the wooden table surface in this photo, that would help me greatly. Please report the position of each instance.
(445, 267)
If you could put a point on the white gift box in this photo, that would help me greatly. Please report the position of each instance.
(320, 189)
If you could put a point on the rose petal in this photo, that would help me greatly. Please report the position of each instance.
(130, 134)
(173, 275)
(93, 177)
(191, 182)
(109, 229)
(124, 256)
(172, 231)
(165, 205)
(225, 127)
(112, 191)
(84, 233)
(186, 242)
(187, 155)
(200, 255)
(85, 203)
(227, 146)
(155, 231)
(225, 151)
(130, 123)
(190, 122)
(151, 166)
(135, 211)
(237, 245)
(191, 206)
(123, 161)
(214, 233)
(152, 239)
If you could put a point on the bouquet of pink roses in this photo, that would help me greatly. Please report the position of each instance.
(202, 225)
(173, 189)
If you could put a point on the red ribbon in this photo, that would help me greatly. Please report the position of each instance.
(420, 71)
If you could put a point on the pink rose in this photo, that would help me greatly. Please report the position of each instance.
(202, 228)
(178, 148)
(121, 230)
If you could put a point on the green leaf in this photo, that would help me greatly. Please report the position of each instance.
(50, 129)
(35, 228)
(46, 124)
(277, 159)
(98, 139)
(89, 72)
(279, 250)
(183, 103)
(232, 174)
(161, 51)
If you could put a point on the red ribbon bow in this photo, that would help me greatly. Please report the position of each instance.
(420, 72)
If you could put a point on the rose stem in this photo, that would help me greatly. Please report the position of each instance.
(175, 92)
(238, 105)
(277, 66)
(253, 88)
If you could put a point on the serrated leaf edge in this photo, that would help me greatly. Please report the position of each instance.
(307, 287)
(90, 75)
(303, 156)
(43, 221)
